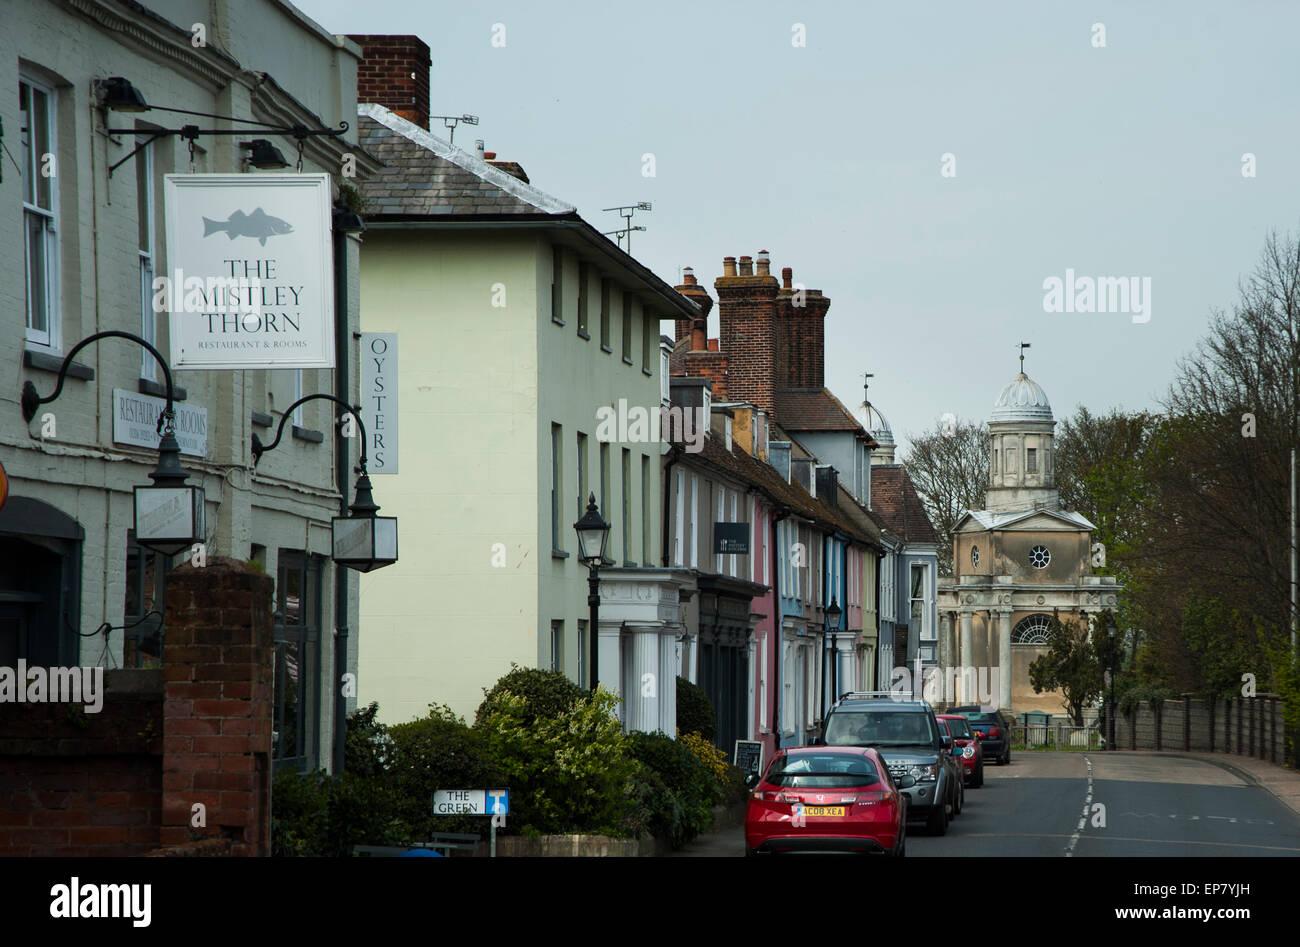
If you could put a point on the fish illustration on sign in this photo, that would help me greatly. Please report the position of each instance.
(259, 225)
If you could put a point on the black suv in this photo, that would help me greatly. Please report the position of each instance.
(994, 731)
(911, 743)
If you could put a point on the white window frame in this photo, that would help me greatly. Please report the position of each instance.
(735, 518)
(148, 261)
(51, 339)
(679, 532)
(695, 521)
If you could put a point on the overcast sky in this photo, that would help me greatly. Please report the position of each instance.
(1115, 161)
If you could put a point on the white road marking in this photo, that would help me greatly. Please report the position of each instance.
(1083, 818)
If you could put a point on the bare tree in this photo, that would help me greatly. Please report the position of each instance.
(949, 466)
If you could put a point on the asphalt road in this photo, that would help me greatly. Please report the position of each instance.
(1151, 805)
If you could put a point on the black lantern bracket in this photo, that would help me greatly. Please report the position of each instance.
(32, 400)
(365, 503)
(191, 133)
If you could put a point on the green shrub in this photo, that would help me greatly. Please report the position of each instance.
(567, 772)
(544, 693)
(439, 752)
(695, 712)
(675, 793)
(300, 804)
(368, 747)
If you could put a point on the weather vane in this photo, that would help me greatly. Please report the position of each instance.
(1023, 346)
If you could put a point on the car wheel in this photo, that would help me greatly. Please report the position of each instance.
(958, 799)
(979, 776)
(902, 841)
(937, 823)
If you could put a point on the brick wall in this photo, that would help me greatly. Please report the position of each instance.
(123, 781)
(73, 783)
(217, 663)
(394, 73)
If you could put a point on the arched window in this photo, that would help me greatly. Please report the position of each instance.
(1035, 629)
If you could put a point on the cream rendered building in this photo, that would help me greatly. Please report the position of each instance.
(1017, 561)
(519, 326)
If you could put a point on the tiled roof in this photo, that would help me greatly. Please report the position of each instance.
(896, 501)
(815, 409)
(425, 175)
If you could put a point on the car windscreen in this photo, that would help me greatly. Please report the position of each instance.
(879, 728)
(958, 728)
(822, 771)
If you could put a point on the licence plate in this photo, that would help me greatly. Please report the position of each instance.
(824, 811)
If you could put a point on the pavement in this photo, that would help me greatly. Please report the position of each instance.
(1048, 770)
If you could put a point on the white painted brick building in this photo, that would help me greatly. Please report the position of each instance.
(77, 244)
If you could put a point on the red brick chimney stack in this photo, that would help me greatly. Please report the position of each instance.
(750, 331)
(394, 73)
(692, 290)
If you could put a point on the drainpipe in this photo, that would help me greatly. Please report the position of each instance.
(776, 630)
(341, 350)
(674, 455)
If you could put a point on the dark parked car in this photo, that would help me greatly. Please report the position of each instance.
(911, 743)
(994, 731)
(827, 799)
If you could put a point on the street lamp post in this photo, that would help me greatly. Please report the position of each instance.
(593, 534)
(833, 613)
(1114, 661)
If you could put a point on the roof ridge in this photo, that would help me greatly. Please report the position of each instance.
(464, 160)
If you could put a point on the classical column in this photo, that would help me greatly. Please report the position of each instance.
(1004, 659)
(967, 653)
(945, 642)
(642, 699)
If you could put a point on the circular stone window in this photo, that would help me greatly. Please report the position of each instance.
(1039, 557)
(975, 556)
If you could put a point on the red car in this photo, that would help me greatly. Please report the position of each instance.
(967, 747)
(827, 799)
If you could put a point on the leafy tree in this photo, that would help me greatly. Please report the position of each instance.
(545, 693)
(1070, 666)
(949, 466)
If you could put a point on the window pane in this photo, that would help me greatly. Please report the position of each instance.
(38, 303)
(143, 200)
(627, 326)
(604, 312)
(25, 140)
(40, 119)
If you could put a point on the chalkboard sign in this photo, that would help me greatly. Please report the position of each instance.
(749, 756)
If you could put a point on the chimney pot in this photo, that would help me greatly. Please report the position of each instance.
(728, 266)
(746, 266)
(688, 276)
(489, 155)
(699, 336)
(764, 264)
(478, 147)
(787, 277)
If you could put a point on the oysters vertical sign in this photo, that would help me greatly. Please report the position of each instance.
(250, 281)
(379, 399)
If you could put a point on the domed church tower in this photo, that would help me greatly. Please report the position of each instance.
(1017, 561)
(1021, 436)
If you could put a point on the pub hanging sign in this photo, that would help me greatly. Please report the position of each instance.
(731, 539)
(250, 281)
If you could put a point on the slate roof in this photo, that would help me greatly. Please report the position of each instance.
(426, 176)
(749, 470)
(896, 501)
(988, 519)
